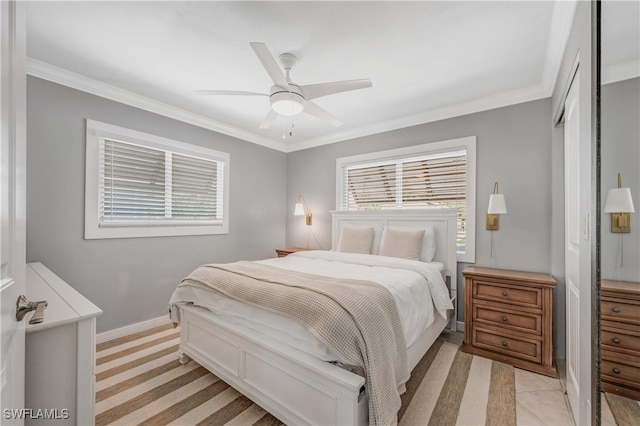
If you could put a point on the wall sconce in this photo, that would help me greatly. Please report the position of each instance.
(302, 209)
(497, 206)
(619, 203)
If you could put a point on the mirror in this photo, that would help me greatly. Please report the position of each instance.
(620, 234)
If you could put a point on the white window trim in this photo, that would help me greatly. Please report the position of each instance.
(97, 131)
(468, 143)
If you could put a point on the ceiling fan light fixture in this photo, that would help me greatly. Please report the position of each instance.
(286, 97)
(287, 103)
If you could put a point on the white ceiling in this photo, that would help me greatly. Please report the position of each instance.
(427, 60)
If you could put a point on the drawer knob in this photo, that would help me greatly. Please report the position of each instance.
(505, 294)
(504, 343)
(616, 370)
(504, 318)
(615, 340)
(616, 309)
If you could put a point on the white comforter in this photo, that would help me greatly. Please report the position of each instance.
(417, 287)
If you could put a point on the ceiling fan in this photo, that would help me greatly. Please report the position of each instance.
(286, 97)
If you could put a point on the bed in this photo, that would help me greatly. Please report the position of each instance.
(296, 384)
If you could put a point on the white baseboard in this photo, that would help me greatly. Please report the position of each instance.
(131, 329)
(460, 326)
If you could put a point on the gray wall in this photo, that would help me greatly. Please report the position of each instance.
(513, 147)
(132, 279)
(620, 145)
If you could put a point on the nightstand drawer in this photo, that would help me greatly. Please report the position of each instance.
(514, 295)
(617, 310)
(507, 319)
(617, 339)
(617, 372)
(529, 350)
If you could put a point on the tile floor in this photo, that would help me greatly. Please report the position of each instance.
(540, 400)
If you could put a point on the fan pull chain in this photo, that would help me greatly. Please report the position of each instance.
(290, 131)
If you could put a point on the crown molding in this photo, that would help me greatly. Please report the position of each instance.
(561, 20)
(76, 81)
(499, 100)
(622, 71)
(70, 79)
(560, 29)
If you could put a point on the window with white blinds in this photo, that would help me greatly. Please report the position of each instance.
(435, 175)
(428, 181)
(150, 186)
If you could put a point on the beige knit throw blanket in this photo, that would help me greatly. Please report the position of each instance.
(357, 320)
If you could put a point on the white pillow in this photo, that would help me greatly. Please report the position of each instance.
(355, 240)
(404, 243)
(428, 244)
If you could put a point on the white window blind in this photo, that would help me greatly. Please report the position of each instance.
(132, 182)
(196, 188)
(141, 185)
(428, 181)
(370, 187)
(435, 175)
(433, 181)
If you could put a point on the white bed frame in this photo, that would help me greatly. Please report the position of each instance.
(295, 387)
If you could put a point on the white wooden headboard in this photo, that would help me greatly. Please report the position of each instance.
(444, 222)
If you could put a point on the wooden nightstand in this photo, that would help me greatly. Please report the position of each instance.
(620, 338)
(508, 317)
(287, 251)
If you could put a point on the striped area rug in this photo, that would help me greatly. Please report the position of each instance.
(140, 381)
(618, 410)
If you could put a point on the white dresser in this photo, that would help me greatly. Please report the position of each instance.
(60, 351)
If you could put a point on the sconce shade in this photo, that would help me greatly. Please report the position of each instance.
(302, 209)
(619, 201)
(497, 205)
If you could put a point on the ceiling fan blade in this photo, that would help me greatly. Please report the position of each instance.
(229, 92)
(270, 64)
(268, 119)
(313, 91)
(316, 111)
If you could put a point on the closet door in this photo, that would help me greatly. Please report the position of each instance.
(577, 163)
(12, 208)
(573, 228)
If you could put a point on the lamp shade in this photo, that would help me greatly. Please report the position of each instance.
(497, 204)
(619, 201)
(299, 210)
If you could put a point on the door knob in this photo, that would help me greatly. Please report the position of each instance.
(23, 306)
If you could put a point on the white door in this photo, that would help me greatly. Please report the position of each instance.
(12, 208)
(572, 242)
(577, 162)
